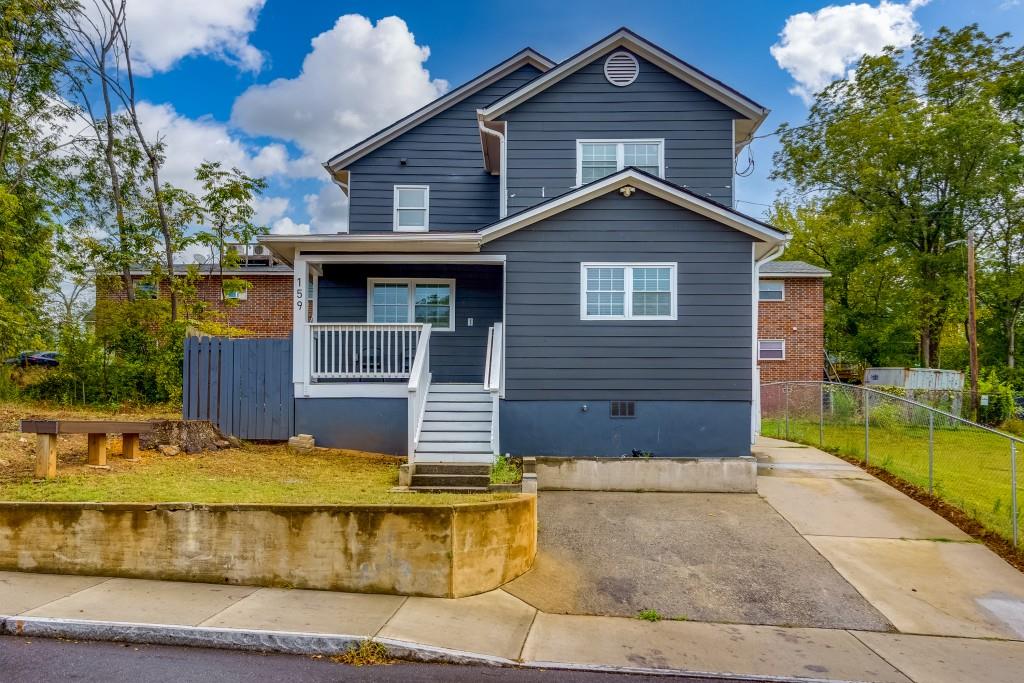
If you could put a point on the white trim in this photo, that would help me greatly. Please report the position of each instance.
(763, 280)
(353, 390)
(656, 187)
(300, 355)
(652, 53)
(620, 144)
(627, 276)
(768, 360)
(502, 164)
(425, 209)
(411, 283)
(780, 275)
(527, 56)
(410, 258)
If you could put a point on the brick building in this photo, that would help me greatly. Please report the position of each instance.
(791, 321)
(264, 309)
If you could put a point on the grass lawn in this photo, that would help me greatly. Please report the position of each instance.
(971, 466)
(251, 474)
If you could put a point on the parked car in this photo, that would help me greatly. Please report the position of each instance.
(48, 359)
(27, 358)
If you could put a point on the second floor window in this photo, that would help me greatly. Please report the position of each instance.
(412, 208)
(772, 290)
(596, 159)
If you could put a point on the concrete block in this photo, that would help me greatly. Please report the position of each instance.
(301, 444)
(678, 475)
(405, 473)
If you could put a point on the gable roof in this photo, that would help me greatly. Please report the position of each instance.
(753, 113)
(792, 269)
(526, 56)
(768, 235)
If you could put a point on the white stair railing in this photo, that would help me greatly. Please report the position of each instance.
(419, 388)
(363, 350)
(493, 374)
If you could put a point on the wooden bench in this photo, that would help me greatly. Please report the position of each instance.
(46, 432)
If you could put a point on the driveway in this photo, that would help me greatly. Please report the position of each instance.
(706, 557)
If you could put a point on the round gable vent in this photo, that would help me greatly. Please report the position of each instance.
(621, 68)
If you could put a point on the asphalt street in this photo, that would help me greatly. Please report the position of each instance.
(38, 660)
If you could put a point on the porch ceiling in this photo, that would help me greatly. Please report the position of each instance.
(285, 246)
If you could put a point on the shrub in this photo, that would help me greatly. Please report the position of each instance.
(1000, 400)
(885, 415)
(844, 405)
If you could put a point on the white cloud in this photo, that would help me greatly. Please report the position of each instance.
(358, 78)
(328, 209)
(819, 47)
(162, 33)
(286, 226)
(270, 209)
(189, 142)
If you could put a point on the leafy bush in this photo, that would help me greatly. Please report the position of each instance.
(1000, 400)
(890, 389)
(885, 415)
(135, 356)
(844, 405)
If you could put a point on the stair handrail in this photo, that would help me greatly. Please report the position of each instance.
(419, 387)
(493, 373)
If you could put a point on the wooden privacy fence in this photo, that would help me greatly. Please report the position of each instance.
(244, 386)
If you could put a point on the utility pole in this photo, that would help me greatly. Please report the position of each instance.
(972, 324)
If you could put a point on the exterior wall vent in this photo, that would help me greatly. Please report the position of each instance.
(621, 68)
(623, 409)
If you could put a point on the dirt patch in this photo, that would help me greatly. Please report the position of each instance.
(960, 519)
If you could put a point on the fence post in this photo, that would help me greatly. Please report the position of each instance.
(1013, 493)
(931, 451)
(867, 426)
(821, 414)
(785, 390)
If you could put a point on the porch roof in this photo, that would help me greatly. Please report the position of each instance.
(285, 246)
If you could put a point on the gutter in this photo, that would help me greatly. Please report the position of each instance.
(502, 175)
(755, 375)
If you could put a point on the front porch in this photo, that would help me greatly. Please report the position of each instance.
(423, 336)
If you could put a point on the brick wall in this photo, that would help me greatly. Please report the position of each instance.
(266, 312)
(800, 321)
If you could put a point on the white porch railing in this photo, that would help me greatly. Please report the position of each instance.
(493, 376)
(363, 350)
(419, 387)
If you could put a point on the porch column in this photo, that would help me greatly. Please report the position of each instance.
(300, 342)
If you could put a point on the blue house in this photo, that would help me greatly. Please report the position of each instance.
(544, 261)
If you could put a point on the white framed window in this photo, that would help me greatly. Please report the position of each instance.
(146, 290)
(771, 349)
(396, 300)
(596, 159)
(771, 290)
(628, 291)
(412, 208)
(237, 294)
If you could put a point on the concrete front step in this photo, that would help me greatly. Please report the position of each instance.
(450, 480)
(459, 458)
(453, 468)
(449, 489)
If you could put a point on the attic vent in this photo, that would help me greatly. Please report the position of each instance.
(621, 68)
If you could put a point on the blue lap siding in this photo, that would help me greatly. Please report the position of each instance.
(542, 132)
(443, 152)
(456, 356)
(551, 354)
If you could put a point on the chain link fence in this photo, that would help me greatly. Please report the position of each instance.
(970, 466)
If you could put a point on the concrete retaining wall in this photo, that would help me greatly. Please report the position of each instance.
(706, 475)
(449, 551)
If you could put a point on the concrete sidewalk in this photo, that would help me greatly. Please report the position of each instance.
(493, 628)
(957, 605)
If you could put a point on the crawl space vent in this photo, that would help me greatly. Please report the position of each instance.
(621, 68)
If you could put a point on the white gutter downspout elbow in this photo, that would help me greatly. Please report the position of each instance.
(755, 404)
(503, 198)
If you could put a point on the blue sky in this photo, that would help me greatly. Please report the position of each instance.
(208, 93)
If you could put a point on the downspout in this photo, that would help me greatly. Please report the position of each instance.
(755, 403)
(503, 198)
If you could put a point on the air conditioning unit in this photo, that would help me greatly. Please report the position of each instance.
(258, 249)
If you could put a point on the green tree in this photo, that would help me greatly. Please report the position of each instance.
(33, 52)
(915, 144)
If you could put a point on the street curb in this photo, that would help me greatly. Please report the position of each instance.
(297, 643)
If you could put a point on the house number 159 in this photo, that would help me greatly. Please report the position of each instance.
(298, 292)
